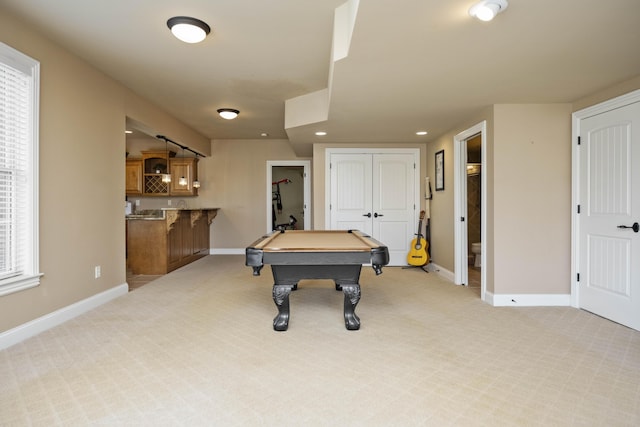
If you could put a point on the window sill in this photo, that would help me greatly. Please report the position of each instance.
(17, 284)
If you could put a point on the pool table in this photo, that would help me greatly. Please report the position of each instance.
(316, 254)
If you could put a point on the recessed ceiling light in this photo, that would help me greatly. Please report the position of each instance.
(421, 132)
(128, 131)
(228, 113)
(187, 29)
(486, 10)
(321, 133)
(264, 134)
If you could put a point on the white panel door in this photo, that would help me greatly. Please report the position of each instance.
(351, 195)
(375, 193)
(393, 203)
(609, 256)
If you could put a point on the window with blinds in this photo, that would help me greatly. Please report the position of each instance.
(19, 94)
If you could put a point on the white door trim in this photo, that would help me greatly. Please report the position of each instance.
(461, 270)
(306, 164)
(327, 174)
(576, 119)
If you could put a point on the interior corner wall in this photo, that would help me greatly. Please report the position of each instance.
(441, 205)
(235, 181)
(532, 199)
(442, 244)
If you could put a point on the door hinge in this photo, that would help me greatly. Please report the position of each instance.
(578, 277)
(414, 165)
(462, 218)
(578, 208)
(579, 141)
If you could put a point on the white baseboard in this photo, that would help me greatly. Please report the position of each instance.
(446, 274)
(528, 300)
(226, 251)
(499, 300)
(48, 321)
(511, 300)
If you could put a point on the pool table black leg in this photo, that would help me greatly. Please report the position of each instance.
(351, 299)
(281, 298)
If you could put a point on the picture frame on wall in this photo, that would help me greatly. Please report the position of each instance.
(440, 170)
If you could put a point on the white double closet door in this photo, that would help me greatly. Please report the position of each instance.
(376, 193)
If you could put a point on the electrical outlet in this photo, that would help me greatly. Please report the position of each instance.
(137, 203)
(169, 202)
(97, 271)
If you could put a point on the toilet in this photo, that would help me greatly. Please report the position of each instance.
(475, 249)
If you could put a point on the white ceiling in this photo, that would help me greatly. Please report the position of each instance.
(412, 64)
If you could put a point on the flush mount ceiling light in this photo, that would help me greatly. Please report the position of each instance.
(321, 133)
(228, 113)
(486, 10)
(187, 29)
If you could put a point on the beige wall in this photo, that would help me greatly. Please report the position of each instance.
(608, 93)
(532, 199)
(156, 121)
(528, 168)
(527, 184)
(82, 152)
(528, 212)
(234, 179)
(442, 218)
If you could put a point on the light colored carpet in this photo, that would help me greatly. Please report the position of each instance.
(196, 347)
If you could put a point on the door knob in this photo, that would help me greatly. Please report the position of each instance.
(635, 227)
(376, 215)
(368, 215)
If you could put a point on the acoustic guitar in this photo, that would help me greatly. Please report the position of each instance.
(418, 255)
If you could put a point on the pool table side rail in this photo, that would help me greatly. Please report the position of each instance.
(316, 241)
(371, 251)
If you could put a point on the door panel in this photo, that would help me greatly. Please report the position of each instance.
(610, 281)
(393, 202)
(351, 192)
(375, 193)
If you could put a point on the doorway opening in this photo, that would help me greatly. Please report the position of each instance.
(288, 195)
(474, 211)
(470, 185)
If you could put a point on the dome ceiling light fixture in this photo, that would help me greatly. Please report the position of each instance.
(187, 29)
(228, 113)
(486, 10)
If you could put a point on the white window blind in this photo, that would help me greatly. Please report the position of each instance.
(19, 87)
